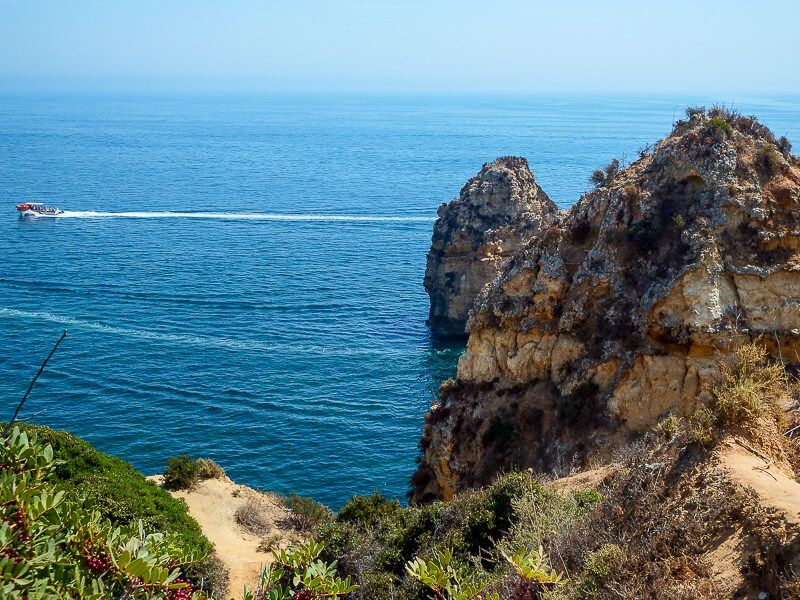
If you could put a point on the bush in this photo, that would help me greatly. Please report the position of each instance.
(695, 110)
(601, 567)
(117, 490)
(541, 514)
(124, 496)
(374, 539)
(52, 545)
(752, 387)
(209, 469)
(601, 177)
(297, 573)
(769, 161)
(306, 514)
(368, 510)
(784, 145)
(252, 516)
(749, 392)
(719, 123)
(182, 473)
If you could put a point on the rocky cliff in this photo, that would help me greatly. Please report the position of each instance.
(476, 234)
(611, 318)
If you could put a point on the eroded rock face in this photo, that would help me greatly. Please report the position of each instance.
(611, 319)
(476, 234)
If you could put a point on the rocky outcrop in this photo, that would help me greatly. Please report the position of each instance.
(476, 234)
(611, 319)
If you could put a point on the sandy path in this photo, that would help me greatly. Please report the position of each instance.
(213, 504)
(775, 488)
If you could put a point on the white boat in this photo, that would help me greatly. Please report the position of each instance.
(38, 209)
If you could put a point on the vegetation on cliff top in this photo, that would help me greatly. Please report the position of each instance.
(121, 494)
(481, 542)
(55, 544)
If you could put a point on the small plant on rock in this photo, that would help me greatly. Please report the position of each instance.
(534, 573)
(601, 177)
(784, 145)
(719, 123)
(750, 391)
(769, 161)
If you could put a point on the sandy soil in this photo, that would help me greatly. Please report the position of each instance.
(776, 489)
(584, 480)
(213, 504)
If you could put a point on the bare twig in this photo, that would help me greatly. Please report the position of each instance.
(760, 455)
(33, 382)
(757, 468)
(792, 430)
(31, 416)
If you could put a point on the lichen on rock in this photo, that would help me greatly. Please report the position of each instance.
(475, 235)
(611, 317)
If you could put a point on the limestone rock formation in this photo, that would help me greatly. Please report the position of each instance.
(611, 319)
(476, 234)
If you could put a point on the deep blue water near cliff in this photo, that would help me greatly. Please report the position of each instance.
(290, 347)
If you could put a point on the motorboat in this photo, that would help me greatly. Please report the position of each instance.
(38, 209)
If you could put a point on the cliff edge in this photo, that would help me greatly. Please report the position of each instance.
(613, 317)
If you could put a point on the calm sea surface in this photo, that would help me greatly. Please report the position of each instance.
(285, 339)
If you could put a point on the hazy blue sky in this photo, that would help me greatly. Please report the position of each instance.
(447, 46)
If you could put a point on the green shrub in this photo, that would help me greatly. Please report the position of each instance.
(298, 573)
(306, 514)
(182, 473)
(750, 391)
(374, 539)
(719, 123)
(52, 545)
(542, 513)
(752, 387)
(601, 567)
(367, 510)
(124, 496)
(702, 426)
(669, 427)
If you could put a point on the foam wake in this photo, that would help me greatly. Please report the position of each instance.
(90, 214)
(179, 338)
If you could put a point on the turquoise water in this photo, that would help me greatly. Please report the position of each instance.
(285, 339)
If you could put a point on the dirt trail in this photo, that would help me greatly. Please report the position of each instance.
(213, 504)
(775, 488)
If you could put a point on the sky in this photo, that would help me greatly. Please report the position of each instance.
(413, 46)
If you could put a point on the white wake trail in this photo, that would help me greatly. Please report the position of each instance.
(90, 214)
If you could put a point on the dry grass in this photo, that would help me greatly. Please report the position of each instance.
(270, 542)
(750, 393)
(652, 515)
(252, 515)
(209, 469)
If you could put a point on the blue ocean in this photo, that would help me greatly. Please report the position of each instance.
(241, 278)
